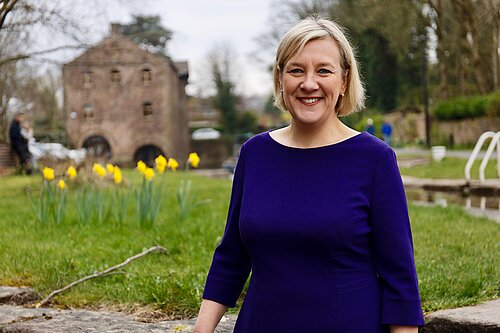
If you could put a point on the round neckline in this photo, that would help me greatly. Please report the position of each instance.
(335, 144)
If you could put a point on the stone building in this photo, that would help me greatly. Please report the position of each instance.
(202, 113)
(124, 103)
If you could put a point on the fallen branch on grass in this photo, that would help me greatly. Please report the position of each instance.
(105, 272)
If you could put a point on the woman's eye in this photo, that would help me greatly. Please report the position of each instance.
(294, 71)
(325, 71)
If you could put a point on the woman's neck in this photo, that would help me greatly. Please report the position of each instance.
(308, 136)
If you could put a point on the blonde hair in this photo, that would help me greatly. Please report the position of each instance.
(293, 42)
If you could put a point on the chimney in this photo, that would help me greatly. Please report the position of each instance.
(115, 29)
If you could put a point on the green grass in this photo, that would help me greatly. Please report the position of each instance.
(51, 256)
(449, 168)
(456, 254)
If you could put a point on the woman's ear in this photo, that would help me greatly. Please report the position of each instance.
(345, 80)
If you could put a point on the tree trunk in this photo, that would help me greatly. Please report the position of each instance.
(440, 49)
(461, 64)
(495, 7)
(476, 62)
(467, 15)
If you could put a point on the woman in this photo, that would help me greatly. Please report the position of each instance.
(317, 212)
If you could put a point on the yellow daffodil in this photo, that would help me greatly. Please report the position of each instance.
(149, 173)
(71, 172)
(194, 160)
(141, 167)
(117, 175)
(61, 184)
(48, 173)
(160, 168)
(110, 167)
(172, 164)
(160, 163)
(99, 170)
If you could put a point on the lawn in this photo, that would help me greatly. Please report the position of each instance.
(449, 168)
(456, 254)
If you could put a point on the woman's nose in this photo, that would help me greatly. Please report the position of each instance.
(309, 83)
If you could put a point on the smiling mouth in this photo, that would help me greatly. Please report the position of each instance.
(309, 100)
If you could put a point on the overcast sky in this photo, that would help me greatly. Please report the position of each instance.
(198, 26)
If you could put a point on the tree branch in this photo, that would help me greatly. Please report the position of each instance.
(157, 248)
(7, 7)
(22, 56)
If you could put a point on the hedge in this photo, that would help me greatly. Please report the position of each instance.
(468, 107)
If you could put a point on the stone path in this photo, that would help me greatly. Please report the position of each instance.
(17, 319)
(482, 318)
(14, 319)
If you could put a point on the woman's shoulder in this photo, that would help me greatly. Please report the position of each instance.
(256, 141)
(372, 143)
(369, 148)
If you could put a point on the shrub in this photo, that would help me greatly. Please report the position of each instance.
(468, 107)
(493, 109)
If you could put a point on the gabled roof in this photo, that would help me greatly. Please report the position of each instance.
(114, 39)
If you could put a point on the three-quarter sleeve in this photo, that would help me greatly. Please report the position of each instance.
(392, 245)
(231, 263)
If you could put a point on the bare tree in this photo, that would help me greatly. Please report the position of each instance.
(6, 6)
(23, 22)
(8, 82)
(494, 9)
(437, 16)
(223, 75)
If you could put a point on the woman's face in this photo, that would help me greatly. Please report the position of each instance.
(312, 81)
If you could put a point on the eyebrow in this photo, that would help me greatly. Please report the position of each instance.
(323, 64)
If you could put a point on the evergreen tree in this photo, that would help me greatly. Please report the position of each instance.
(148, 31)
(380, 71)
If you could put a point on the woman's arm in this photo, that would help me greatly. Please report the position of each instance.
(404, 329)
(209, 316)
(392, 246)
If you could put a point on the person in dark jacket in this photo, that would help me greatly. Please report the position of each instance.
(19, 143)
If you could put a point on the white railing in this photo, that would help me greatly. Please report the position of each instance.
(494, 143)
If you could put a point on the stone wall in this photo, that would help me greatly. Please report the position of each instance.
(465, 131)
(212, 152)
(410, 128)
(118, 107)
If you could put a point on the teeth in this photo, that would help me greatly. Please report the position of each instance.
(311, 100)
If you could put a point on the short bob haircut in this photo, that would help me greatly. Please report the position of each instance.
(293, 42)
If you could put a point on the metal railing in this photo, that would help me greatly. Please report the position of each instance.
(495, 143)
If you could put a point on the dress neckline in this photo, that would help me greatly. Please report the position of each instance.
(330, 145)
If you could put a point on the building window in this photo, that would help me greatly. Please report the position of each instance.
(147, 109)
(87, 79)
(116, 77)
(146, 77)
(88, 111)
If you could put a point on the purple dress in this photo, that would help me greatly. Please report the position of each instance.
(326, 234)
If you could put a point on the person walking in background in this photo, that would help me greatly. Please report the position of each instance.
(370, 127)
(318, 211)
(386, 132)
(20, 144)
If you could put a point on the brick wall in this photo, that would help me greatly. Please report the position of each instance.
(118, 108)
(7, 158)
